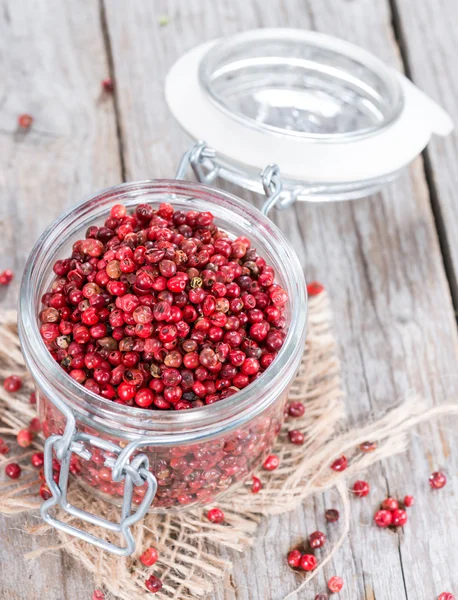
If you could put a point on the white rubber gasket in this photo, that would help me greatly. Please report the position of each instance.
(314, 161)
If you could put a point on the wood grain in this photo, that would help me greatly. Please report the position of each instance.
(379, 257)
(52, 62)
(375, 256)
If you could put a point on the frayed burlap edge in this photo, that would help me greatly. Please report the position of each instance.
(187, 566)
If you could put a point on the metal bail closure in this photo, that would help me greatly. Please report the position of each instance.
(133, 471)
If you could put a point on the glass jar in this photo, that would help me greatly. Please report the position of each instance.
(194, 456)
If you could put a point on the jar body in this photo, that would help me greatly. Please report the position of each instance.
(196, 455)
(188, 475)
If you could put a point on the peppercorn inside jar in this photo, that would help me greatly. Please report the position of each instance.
(170, 313)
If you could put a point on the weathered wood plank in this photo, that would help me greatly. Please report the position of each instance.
(428, 37)
(374, 255)
(52, 60)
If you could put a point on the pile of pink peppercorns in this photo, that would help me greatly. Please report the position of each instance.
(160, 309)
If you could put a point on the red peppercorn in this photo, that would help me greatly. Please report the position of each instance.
(25, 121)
(340, 464)
(446, 596)
(296, 437)
(332, 515)
(317, 539)
(437, 480)
(6, 277)
(335, 584)
(4, 448)
(368, 446)
(296, 409)
(256, 486)
(409, 501)
(13, 471)
(361, 488)
(215, 515)
(399, 517)
(37, 460)
(271, 463)
(390, 504)
(294, 559)
(24, 438)
(321, 597)
(35, 425)
(383, 518)
(45, 492)
(314, 288)
(153, 584)
(308, 562)
(108, 85)
(98, 595)
(12, 384)
(149, 557)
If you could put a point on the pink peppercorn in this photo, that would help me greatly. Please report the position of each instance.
(153, 584)
(13, 471)
(296, 437)
(332, 515)
(294, 558)
(215, 515)
(383, 518)
(308, 562)
(317, 539)
(314, 288)
(340, 464)
(335, 584)
(256, 486)
(37, 460)
(98, 595)
(399, 517)
(390, 504)
(409, 501)
(24, 438)
(6, 277)
(25, 121)
(361, 489)
(12, 384)
(437, 480)
(149, 557)
(271, 463)
(446, 596)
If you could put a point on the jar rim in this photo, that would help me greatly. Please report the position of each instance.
(192, 424)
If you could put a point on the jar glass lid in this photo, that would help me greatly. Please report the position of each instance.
(337, 121)
(300, 88)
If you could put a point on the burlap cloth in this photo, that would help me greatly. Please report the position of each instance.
(190, 562)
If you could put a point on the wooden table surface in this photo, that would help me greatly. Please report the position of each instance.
(390, 262)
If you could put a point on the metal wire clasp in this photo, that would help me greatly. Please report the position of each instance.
(133, 471)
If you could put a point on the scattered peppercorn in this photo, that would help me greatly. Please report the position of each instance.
(25, 121)
(215, 515)
(314, 288)
(98, 595)
(390, 504)
(446, 596)
(368, 446)
(332, 515)
(308, 562)
(321, 597)
(108, 85)
(45, 492)
(294, 558)
(35, 425)
(6, 277)
(296, 437)
(340, 464)
(409, 501)
(12, 384)
(37, 460)
(149, 557)
(361, 488)
(296, 409)
(153, 584)
(271, 463)
(4, 448)
(24, 438)
(383, 518)
(13, 471)
(317, 539)
(437, 480)
(399, 517)
(256, 486)
(335, 584)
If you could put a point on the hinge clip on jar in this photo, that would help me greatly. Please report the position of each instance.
(293, 115)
